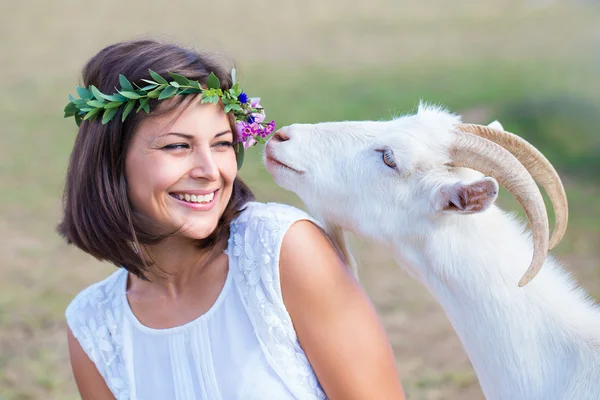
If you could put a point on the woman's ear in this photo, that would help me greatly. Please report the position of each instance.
(468, 198)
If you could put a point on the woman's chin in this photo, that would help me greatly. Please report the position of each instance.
(198, 232)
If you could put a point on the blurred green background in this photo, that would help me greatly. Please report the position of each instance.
(534, 65)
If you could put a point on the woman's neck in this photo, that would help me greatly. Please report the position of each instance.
(177, 263)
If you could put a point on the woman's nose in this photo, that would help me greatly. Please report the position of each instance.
(205, 167)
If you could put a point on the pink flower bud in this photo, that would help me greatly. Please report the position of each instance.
(255, 102)
(258, 117)
(250, 141)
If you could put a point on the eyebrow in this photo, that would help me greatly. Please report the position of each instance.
(187, 136)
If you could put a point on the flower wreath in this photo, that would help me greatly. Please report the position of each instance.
(249, 115)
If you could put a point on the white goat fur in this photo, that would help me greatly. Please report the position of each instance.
(541, 341)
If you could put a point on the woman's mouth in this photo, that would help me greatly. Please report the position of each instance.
(196, 200)
(193, 198)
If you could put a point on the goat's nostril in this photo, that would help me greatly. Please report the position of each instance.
(280, 136)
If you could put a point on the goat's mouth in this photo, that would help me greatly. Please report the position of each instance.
(276, 163)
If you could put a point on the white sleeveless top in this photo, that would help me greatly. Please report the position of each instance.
(244, 347)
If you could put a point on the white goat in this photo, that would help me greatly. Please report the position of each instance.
(411, 184)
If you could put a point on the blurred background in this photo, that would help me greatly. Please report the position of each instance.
(532, 64)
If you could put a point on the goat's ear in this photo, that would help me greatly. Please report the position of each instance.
(468, 198)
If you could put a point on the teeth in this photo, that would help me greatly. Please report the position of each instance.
(192, 198)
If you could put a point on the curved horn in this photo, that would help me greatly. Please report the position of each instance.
(538, 166)
(480, 154)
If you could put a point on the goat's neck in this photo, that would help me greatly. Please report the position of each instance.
(339, 239)
(517, 338)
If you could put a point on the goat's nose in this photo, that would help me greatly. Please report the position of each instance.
(280, 136)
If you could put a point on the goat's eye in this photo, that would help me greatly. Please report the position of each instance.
(389, 159)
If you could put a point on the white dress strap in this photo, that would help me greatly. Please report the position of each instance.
(95, 318)
(254, 248)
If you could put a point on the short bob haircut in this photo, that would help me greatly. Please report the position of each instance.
(98, 217)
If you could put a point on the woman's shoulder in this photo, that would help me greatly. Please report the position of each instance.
(94, 298)
(262, 226)
(256, 240)
(94, 318)
(271, 215)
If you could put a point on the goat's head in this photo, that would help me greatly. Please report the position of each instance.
(388, 178)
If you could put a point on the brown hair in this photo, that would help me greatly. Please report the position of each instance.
(98, 217)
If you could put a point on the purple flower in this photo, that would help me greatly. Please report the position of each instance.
(243, 131)
(270, 127)
(256, 128)
(251, 127)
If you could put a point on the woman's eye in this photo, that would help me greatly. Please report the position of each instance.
(176, 146)
(388, 158)
(224, 144)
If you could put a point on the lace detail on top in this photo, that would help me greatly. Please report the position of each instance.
(254, 244)
(94, 317)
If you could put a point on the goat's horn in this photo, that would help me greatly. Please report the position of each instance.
(538, 166)
(483, 155)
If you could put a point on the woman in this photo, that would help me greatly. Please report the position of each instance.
(217, 296)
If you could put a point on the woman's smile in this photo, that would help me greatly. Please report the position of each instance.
(199, 200)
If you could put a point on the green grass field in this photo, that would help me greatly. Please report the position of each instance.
(534, 65)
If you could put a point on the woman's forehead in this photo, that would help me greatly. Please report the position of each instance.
(194, 119)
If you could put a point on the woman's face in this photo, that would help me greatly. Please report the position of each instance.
(180, 168)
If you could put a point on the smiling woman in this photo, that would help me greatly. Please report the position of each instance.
(164, 169)
(217, 296)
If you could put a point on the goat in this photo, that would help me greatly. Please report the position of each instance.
(424, 186)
